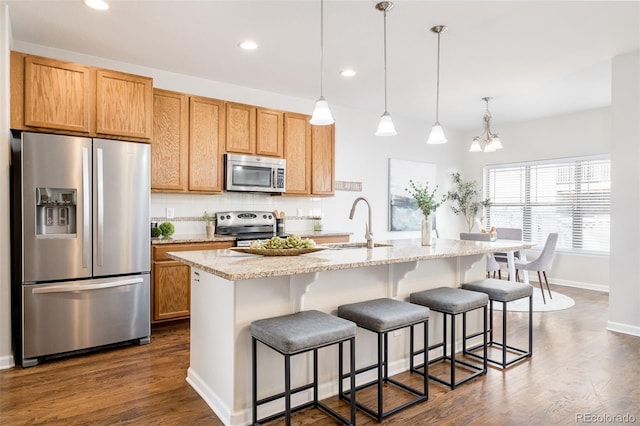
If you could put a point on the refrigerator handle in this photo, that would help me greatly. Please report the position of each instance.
(63, 288)
(86, 198)
(100, 201)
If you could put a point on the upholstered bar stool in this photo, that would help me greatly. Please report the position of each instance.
(382, 316)
(499, 291)
(452, 302)
(294, 334)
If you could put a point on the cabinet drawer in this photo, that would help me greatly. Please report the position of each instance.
(331, 239)
(159, 252)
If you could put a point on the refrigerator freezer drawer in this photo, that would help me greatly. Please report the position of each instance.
(76, 315)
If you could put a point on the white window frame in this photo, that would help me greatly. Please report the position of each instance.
(555, 208)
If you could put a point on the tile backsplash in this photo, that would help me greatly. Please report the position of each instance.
(188, 209)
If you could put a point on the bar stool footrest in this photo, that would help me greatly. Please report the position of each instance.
(520, 354)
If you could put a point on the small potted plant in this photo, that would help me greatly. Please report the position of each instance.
(207, 224)
(427, 203)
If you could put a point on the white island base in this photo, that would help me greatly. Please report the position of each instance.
(222, 308)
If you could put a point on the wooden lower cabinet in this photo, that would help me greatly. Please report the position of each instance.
(171, 290)
(329, 239)
(171, 280)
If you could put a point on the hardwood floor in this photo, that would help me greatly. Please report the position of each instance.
(578, 368)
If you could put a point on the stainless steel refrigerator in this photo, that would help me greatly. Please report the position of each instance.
(81, 267)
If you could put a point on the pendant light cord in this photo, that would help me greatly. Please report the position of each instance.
(385, 61)
(438, 82)
(321, 45)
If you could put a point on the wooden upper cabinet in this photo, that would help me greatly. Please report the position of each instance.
(206, 142)
(64, 97)
(240, 128)
(297, 152)
(270, 133)
(322, 159)
(57, 95)
(170, 143)
(124, 104)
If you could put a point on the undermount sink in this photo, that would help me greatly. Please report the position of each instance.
(338, 246)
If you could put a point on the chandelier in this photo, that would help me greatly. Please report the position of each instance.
(487, 141)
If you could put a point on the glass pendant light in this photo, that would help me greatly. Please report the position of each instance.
(385, 125)
(475, 145)
(321, 113)
(437, 134)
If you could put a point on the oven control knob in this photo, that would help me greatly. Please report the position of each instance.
(264, 216)
(269, 216)
(228, 217)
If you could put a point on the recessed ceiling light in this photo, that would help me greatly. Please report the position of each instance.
(248, 45)
(347, 73)
(97, 4)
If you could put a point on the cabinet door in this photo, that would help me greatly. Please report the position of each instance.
(241, 128)
(206, 139)
(322, 159)
(297, 152)
(57, 95)
(269, 136)
(124, 105)
(171, 290)
(170, 143)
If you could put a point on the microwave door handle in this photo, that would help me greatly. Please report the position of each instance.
(273, 178)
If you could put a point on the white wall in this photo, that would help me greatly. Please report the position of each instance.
(6, 357)
(624, 295)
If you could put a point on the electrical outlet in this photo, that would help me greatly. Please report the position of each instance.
(170, 213)
(397, 333)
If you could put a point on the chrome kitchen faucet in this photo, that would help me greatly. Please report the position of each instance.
(368, 235)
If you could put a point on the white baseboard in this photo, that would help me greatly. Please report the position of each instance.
(633, 330)
(7, 362)
(586, 286)
(212, 400)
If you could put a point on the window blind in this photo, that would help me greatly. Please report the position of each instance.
(570, 196)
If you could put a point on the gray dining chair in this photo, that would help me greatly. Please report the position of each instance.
(492, 265)
(542, 264)
(507, 234)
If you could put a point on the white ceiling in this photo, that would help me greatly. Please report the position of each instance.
(535, 58)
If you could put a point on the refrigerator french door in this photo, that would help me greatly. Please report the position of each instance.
(84, 270)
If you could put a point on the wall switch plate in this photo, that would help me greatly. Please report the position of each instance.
(170, 213)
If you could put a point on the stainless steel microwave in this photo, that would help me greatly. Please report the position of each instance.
(254, 174)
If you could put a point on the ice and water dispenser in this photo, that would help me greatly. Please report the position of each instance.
(56, 211)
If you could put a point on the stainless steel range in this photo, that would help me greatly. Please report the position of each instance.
(246, 226)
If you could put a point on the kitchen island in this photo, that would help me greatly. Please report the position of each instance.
(229, 290)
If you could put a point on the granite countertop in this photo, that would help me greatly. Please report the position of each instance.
(235, 266)
(202, 238)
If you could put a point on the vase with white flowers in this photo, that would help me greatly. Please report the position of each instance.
(427, 202)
